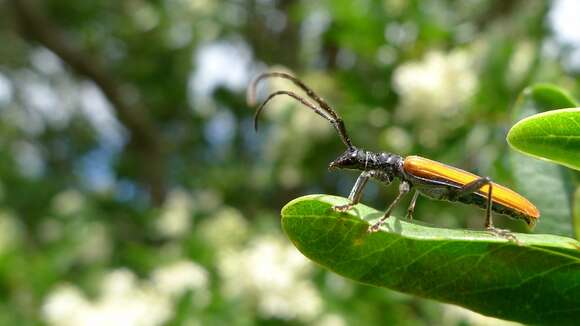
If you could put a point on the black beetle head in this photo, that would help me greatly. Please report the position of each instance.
(352, 159)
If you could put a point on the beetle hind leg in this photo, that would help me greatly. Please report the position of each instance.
(474, 186)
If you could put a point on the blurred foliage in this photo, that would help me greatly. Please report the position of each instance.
(132, 183)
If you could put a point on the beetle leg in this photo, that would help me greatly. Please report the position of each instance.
(474, 186)
(355, 193)
(404, 188)
(411, 208)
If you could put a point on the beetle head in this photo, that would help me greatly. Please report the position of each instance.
(352, 159)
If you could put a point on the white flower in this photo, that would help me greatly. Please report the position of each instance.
(176, 216)
(64, 306)
(226, 228)
(122, 301)
(177, 278)
(68, 202)
(398, 139)
(50, 230)
(140, 305)
(119, 282)
(331, 320)
(275, 275)
(520, 62)
(10, 231)
(437, 86)
(207, 200)
(126, 300)
(290, 176)
(144, 17)
(434, 91)
(300, 301)
(95, 244)
(339, 286)
(202, 7)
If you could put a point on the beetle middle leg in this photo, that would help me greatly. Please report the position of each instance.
(474, 186)
(404, 188)
(411, 208)
(355, 193)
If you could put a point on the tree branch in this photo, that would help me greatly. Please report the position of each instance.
(144, 134)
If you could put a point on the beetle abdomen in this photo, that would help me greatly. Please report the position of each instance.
(503, 198)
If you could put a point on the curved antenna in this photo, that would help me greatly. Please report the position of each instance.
(324, 110)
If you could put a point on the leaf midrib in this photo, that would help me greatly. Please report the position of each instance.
(537, 247)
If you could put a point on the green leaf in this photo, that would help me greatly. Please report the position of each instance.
(552, 136)
(537, 281)
(548, 97)
(576, 211)
(547, 185)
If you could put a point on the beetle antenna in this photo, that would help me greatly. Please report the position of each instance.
(324, 110)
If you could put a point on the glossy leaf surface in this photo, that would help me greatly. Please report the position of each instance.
(536, 281)
(552, 135)
(547, 185)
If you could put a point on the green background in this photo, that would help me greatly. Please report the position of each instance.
(134, 189)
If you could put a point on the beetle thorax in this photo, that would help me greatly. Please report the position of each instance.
(383, 166)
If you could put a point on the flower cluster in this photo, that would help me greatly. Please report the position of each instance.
(125, 300)
(434, 90)
(176, 216)
(437, 86)
(274, 275)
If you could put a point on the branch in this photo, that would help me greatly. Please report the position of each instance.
(144, 134)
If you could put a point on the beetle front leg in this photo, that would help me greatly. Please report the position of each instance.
(404, 188)
(355, 193)
(474, 186)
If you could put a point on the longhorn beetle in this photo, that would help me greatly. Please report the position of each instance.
(428, 178)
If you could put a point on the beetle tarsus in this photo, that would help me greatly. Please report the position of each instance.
(375, 227)
(503, 233)
(342, 208)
